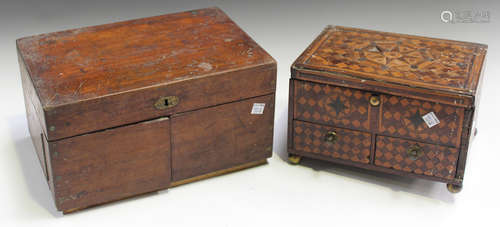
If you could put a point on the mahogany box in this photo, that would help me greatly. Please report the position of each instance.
(393, 103)
(138, 106)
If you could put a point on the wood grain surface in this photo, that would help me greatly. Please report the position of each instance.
(110, 165)
(84, 77)
(220, 137)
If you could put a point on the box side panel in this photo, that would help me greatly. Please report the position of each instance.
(37, 136)
(466, 139)
(222, 137)
(291, 107)
(50, 173)
(34, 113)
(109, 165)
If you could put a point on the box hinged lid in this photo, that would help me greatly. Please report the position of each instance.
(418, 64)
(105, 76)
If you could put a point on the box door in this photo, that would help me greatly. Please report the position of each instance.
(222, 137)
(112, 164)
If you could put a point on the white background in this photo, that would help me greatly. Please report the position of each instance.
(315, 193)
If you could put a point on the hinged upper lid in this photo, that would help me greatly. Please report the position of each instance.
(88, 79)
(441, 65)
(86, 63)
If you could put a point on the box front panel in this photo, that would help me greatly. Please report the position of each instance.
(403, 135)
(331, 142)
(139, 105)
(222, 137)
(109, 165)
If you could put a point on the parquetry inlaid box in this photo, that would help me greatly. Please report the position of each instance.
(386, 102)
(132, 107)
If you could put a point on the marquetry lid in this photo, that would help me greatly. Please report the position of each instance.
(414, 61)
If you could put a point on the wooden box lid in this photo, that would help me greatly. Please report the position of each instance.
(446, 67)
(79, 71)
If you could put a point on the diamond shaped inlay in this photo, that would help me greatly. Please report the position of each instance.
(433, 62)
(350, 145)
(430, 161)
(332, 105)
(402, 117)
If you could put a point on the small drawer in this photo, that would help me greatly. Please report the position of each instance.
(416, 157)
(332, 105)
(404, 117)
(332, 142)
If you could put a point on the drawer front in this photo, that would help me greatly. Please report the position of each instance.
(332, 105)
(402, 117)
(415, 157)
(332, 142)
(221, 137)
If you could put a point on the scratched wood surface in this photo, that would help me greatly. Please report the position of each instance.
(87, 73)
(111, 165)
(85, 63)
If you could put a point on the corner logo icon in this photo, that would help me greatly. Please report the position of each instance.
(447, 16)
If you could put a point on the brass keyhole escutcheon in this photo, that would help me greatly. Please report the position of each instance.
(331, 137)
(166, 102)
(375, 100)
(414, 152)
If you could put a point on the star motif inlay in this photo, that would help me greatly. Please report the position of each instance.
(337, 105)
(416, 119)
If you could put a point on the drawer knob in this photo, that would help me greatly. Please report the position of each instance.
(331, 137)
(375, 100)
(414, 152)
(166, 102)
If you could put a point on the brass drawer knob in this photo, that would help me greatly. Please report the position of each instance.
(414, 152)
(331, 137)
(375, 100)
(166, 102)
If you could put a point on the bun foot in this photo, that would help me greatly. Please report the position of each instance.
(294, 159)
(454, 188)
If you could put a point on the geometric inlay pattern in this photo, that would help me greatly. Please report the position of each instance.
(435, 160)
(327, 104)
(349, 145)
(389, 55)
(402, 117)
